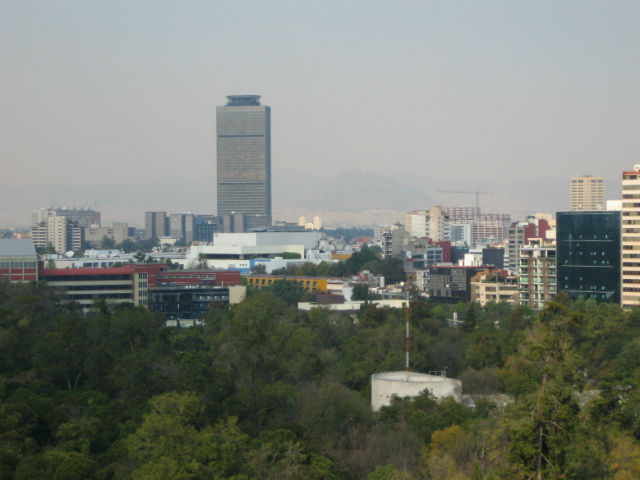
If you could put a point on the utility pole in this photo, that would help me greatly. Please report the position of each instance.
(408, 340)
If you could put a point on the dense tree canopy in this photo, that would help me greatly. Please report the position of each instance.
(263, 390)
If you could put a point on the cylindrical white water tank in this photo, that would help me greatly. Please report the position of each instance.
(385, 385)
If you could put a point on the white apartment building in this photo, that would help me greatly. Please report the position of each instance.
(460, 233)
(630, 238)
(432, 223)
(57, 232)
(416, 223)
(537, 273)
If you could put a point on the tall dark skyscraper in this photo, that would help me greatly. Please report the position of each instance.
(588, 246)
(244, 160)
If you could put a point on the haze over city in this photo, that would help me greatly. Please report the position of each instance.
(112, 104)
(297, 239)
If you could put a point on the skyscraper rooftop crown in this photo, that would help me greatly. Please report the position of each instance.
(243, 100)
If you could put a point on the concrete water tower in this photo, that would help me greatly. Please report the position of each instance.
(385, 385)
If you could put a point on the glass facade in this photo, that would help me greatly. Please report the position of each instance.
(244, 159)
(186, 302)
(588, 246)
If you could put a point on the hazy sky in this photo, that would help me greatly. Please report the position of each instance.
(443, 94)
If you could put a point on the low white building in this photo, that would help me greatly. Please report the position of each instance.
(240, 251)
(308, 239)
(90, 259)
(386, 385)
(352, 305)
(318, 256)
(472, 259)
(271, 264)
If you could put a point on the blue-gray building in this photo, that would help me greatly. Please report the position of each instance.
(588, 254)
(186, 302)
(244, 160)
(493, 256)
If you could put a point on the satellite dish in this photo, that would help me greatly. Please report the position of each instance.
(68, 254)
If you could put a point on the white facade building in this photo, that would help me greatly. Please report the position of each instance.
(308, 239)
(473, 258)
(438, 225)
(614, 205)
(416, 223)
(460, 233)
(432, 223)
(239, 251)
(57, 232)
(630, 237)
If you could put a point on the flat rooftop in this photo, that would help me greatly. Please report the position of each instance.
(414, 377)
(10, 247)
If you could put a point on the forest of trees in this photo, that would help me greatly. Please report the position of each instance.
(263, 390)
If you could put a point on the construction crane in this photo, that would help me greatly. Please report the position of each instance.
(477, 193)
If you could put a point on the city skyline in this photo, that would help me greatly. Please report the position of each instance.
(99, 107)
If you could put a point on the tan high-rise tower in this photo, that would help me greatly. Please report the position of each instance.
(587, 193)
(630, 238)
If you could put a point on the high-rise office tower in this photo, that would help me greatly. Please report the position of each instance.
(630, 238)
(587, 193)
(244, 160)
(155, 225)
(588, 251)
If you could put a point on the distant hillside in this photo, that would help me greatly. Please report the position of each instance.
(352, 191)
(355, 197)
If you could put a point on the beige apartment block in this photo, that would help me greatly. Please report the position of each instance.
(587, 193)
(630, 238)
(494, 286)
(432, 223)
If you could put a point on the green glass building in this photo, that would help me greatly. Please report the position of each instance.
(588, 246)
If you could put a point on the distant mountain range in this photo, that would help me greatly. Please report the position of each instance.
(355, 197)
(351, 191)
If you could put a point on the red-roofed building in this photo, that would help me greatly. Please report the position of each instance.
(113, 285)
(129, 283)
(198, 277)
